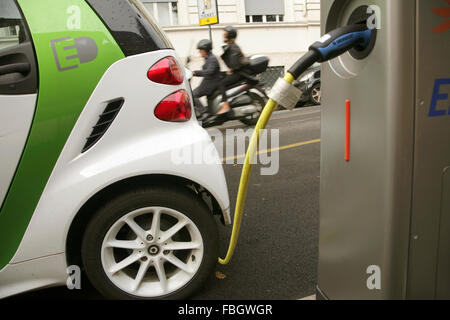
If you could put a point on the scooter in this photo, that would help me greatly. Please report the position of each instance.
(247, 98)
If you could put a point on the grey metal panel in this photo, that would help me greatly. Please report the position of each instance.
(365, 204)
(263, 7)
(443, 274)
(432, 152)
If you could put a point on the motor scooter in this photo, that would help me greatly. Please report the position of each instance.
(247, 98)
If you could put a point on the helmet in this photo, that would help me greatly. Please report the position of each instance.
(205, 44)
(232, 32)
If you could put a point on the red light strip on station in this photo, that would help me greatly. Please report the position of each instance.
(347, 130)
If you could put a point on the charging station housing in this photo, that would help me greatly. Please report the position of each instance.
(385, 210)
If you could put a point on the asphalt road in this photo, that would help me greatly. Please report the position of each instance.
(277, 253)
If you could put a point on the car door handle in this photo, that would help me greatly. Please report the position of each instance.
(20, 67)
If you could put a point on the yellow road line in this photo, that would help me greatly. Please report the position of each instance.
(289, 146)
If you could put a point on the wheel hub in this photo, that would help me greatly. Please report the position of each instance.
(153, 250)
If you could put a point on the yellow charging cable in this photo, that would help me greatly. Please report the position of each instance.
(243, 186)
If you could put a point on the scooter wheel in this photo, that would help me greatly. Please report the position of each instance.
(259, 102)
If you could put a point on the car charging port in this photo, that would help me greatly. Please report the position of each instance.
(361, 15)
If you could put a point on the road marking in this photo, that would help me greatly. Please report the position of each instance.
(289, 146)
(292, 115)
(293, 121)
(277, 115)
(298, 110)
(232, 133)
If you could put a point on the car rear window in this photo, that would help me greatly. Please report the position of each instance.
(131, 25)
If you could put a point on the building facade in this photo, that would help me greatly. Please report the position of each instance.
(280, 29)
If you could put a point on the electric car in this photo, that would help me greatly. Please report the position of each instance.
(309, 84)
(96, 133)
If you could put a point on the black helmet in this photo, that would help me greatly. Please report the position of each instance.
(232, 32)
(205, 44)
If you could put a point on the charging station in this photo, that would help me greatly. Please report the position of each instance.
(385, 155)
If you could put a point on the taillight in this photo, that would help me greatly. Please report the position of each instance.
(166, 71)
(175, 108)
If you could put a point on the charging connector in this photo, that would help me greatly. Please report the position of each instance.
(328, 47)
(332, 45)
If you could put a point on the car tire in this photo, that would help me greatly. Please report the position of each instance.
(316, 94)
(140, 226)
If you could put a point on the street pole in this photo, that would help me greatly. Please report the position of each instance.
(210, 33)
(208, 14)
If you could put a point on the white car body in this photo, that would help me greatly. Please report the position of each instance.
(136, 144)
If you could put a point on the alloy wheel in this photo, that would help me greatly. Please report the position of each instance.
(152, 251)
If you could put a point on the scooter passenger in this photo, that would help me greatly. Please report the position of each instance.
(235, 61)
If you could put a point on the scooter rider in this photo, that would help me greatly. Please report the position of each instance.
(211, 76)
(235, 61)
